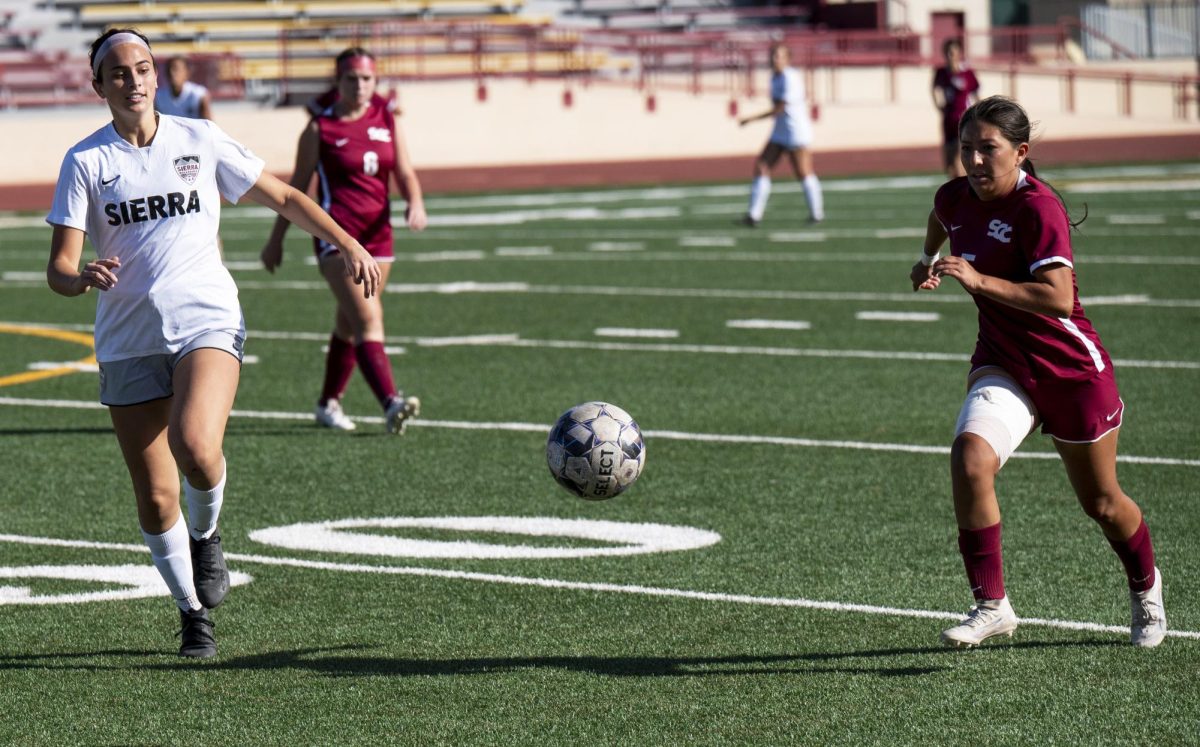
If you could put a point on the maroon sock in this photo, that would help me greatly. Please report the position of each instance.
(339, 365)
(377, 370)
(1137, 555)
(983, 558)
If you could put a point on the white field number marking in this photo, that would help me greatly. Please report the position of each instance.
(136, 582)
(620, 538)
(548, 583)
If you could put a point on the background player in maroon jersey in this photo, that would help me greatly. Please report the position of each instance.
(1037, 359)
(355, 149)
(955, 87)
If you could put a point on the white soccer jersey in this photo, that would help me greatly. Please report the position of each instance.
(157, 209)
(793, 129)
(186, 104)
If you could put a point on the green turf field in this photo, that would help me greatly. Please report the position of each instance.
(816, 450)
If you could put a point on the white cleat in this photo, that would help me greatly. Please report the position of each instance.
(988, 618)
(331, 416)
(1149, 624)
(399, 411)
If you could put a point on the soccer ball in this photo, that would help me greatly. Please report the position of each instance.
(595, 450)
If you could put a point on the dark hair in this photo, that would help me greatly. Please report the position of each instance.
(180, 59)
(951, 42)
(1010, 118)
(353, 52)
(104, 37)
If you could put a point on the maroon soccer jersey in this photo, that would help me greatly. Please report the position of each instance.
(956, 90)
(1009, 238)
(357, 158)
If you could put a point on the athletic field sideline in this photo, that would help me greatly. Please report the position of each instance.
(779, 574)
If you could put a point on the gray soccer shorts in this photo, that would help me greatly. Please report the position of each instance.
(134, 381)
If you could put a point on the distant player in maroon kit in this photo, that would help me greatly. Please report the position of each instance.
(355, 149)
(955, 87)
(1037, 359)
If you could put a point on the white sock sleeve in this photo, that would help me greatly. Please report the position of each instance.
(812, 193)
(204, 507)
(172, 557)
(760, 192)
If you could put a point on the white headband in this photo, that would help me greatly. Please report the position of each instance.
(122, 38)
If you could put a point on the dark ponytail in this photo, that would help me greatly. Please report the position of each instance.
(1010, 118)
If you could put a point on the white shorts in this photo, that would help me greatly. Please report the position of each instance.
(791, 136)
(135, 381)
(999, 411)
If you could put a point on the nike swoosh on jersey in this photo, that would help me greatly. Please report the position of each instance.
(1109, 418)
(955, 228)
(106, 182)
(340, 142)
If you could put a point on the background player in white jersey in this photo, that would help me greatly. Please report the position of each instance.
(792, 135)
(146, 189)
(183, 97)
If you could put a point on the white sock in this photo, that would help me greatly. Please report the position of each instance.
(760, 191)
(173, 558)
(204, 507)
(812, 193)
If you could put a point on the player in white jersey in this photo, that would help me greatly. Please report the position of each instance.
(146, 190)
(792, 134)
(183, 97)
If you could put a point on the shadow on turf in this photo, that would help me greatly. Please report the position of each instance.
(107, 430)
(319, 661)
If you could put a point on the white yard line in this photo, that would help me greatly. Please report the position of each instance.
(512, 339)
(768, 324)
(661, 334)
(542, 428)
(707, 241)
(593, 586)
(523, 251)
(898, 316)
(1146, 219)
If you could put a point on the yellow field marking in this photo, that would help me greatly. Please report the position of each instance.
(53, 334)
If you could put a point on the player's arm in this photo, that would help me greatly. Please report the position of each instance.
(296, 207)
(307, 154)
(1051, 292)
(776, 109)
(922, 275)
(939, 96)
(206, 106)
(408, 184)
(62, 272)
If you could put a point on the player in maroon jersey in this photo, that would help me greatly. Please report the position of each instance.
(1037, 359)
(355, 148)
(955, 87)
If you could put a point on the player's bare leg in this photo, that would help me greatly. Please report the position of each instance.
(802, 167)
(142, 434)
(951, 162)
(205, 383)
(973, 467)
(1092, 470)
(760, 188)
(364, 317)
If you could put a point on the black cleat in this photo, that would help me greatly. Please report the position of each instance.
(196, 632)
(748, 222)
(209, 571)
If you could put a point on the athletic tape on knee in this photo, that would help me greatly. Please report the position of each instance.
(998, 411)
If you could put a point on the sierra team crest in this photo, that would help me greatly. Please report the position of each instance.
(188, 168)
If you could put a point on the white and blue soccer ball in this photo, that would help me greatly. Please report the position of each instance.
(595, 450)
